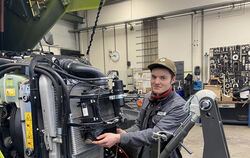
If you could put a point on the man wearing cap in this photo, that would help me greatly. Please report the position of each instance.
(162, 110)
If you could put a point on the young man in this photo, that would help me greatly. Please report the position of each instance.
(162, 110)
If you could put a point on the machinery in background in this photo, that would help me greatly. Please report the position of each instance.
(54, 106)
(231, 66)
(192, 84)
(197, 84)
(202, 105)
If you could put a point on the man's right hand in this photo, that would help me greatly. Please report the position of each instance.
(119, 131)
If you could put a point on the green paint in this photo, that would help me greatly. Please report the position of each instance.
(1, 154)
(77, 5)
(21, 34)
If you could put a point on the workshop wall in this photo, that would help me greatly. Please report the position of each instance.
(179, 38)
(227, 28)
(136, 9)
(62, 38)
(105, 42)
(175, 40)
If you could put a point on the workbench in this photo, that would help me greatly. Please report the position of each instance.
(233, 112)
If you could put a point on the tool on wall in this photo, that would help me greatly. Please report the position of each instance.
(114, 55)
(231, 66)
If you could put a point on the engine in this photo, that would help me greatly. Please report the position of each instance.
(54, 106)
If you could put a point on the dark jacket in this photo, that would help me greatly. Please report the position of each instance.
(162, 115)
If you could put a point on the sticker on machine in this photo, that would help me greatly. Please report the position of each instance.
(10, 92)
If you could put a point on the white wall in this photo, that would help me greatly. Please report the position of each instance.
(136, 9)
(221, 28)
(62, 38)
(175, 40)
(227, 28)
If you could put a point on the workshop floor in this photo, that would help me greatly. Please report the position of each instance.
(238, 140)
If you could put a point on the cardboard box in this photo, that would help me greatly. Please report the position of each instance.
(228, 98)
(216, 89)
(143, 81)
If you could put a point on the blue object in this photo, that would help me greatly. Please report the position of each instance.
(197, 85)
(181, 93)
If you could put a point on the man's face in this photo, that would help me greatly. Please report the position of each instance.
(161, 80)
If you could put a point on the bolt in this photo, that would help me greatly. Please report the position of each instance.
(25, 98)
(205, 105)
(29, 152)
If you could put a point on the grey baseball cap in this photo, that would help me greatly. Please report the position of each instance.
(163, 62)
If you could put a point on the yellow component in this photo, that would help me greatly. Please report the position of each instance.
(29, 130)
(31, 6)
(10, 92)
(76, 5)
(1, 154)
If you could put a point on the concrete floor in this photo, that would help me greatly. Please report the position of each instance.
(238, 141)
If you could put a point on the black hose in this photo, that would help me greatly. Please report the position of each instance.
(9, 69)
(82, 79)
(5, 61)
(12, 64)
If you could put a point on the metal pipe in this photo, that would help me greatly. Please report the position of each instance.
(202, 43)
(103, 43)
(173, 13)
(192, 39)
(87, 25)
(114, 38)
(126, 36)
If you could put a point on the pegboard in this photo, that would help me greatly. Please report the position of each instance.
(231, 65)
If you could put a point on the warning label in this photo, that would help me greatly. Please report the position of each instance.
(29, 130)
(10, 92)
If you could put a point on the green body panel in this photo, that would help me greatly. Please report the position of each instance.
(77, 5)
(21, 34)
(10, 83)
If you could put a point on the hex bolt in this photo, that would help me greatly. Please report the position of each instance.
(205, 105)
(29, 152)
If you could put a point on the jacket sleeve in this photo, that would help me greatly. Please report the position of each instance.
(137, 125)
(169, 122)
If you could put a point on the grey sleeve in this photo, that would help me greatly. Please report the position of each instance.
(136, 126)
(169, 123)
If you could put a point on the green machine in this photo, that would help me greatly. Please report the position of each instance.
(9, 87)
(25, 22)
(51, 106)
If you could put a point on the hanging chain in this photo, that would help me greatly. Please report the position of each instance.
(93, 30)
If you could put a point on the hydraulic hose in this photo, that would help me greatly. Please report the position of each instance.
(5, 61)
(9, 69)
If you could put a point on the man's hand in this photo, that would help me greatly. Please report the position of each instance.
(119, 131)
(107, 140)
